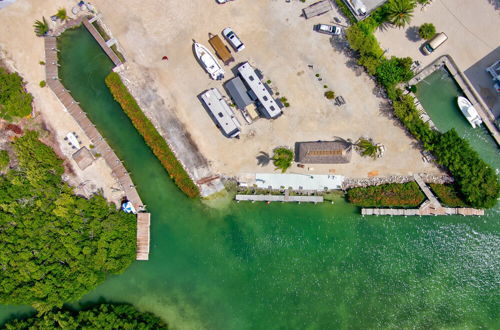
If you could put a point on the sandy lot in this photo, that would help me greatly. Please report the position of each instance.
(473, 40)
(282, 45)
(278, 41)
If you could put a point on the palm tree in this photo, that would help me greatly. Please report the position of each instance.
(400, 12)
(41, 27)
(368, 148)
(61, 14)
(282, 158)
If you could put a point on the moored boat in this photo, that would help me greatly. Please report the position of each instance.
(208, 61)
(469, 111)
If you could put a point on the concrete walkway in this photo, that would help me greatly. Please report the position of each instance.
(279, 198)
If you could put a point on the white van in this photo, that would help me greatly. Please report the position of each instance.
(434, 43)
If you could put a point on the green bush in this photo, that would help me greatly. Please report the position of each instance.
(43, 83)
(103, 316)
(330, 95)
(447, 195)
(153, 139)
(427, 31)
(361, 39)
(387, 195)
(56, 246)
(4, 159)
(15, 102)
(395, 70)
(282, 158)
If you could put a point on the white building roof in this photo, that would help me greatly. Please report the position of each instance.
(270, 107)
(221, 113)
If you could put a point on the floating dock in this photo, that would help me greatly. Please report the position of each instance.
(100, 145)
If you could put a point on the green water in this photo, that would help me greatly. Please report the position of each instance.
(438, 95)
(281, 266)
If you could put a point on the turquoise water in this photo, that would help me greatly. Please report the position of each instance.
(438, 95)
(280, 266)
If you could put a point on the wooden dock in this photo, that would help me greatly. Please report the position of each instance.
(100, 145)
(143, 223)
(430, 207)
(279, 198)
(97, 36)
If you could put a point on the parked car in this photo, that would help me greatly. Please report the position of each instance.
(233, 39)
(328, 29)
(434, 43)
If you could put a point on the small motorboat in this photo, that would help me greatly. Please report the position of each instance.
(127, 207)
(208, 61)
(469, 112)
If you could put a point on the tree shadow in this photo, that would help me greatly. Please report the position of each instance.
(379, 92)
(385, 109)
(412, 34)
(495, 4)
(263, 159)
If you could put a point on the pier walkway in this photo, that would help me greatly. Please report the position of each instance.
(97, 36)
(143, 223)
(100, 145)
(279, 198)
(430, 207)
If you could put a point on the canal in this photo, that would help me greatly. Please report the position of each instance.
(284, 265)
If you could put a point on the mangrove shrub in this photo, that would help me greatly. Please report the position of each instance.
(104, 316)
(15, 102)
(56, 246)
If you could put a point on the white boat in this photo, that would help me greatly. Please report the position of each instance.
(469, 112)
(208, 61)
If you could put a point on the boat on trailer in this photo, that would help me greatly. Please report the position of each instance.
(469, 111)
(208, 61)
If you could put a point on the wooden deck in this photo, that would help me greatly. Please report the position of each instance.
(102, 42)
(143, 223)
(100, 145)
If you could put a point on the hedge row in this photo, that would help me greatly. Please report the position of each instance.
(387, 195)
(153, 139)
(447, 195)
